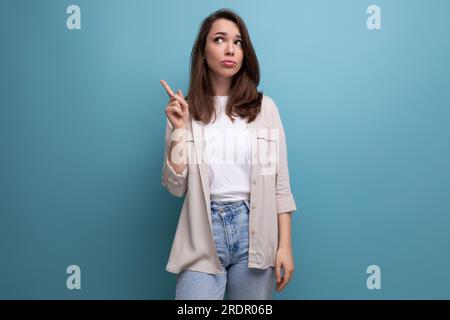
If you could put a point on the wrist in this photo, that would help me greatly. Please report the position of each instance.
(180, 127)
(285, 246)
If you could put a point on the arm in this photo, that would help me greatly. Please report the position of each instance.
(284, 230)
(284, 256)
(285, 207)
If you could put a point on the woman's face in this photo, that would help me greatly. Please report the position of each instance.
(224, 43)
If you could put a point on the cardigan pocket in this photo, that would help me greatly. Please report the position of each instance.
(192, 163)
(268, 150)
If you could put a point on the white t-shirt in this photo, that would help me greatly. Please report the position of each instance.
(228, 154)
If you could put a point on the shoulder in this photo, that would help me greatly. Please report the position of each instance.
(268, 105)
(269, 102)
(271, 113)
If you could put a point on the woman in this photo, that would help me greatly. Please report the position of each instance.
(233, 237)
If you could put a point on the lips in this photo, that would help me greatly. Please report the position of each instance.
(228, 63)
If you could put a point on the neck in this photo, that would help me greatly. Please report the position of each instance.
(220, 85)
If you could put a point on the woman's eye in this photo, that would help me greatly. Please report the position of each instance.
(239, 42)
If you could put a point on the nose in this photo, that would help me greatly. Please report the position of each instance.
(230, 49)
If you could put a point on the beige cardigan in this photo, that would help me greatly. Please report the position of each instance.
(193, 247)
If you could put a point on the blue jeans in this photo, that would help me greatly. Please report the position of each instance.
(239, 282)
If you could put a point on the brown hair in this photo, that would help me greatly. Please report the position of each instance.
(244, 99)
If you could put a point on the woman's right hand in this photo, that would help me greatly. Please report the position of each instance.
(177, 109)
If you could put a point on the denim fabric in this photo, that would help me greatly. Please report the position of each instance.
(239, 282)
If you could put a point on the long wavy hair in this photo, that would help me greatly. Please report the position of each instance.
(244, 98)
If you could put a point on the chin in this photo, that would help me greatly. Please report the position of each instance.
(227, 73)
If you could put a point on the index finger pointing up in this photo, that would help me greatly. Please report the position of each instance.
(167, 87)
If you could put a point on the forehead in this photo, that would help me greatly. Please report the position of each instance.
(224, 25)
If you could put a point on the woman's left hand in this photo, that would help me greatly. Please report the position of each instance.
(284, 260)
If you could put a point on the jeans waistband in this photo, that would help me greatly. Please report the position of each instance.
(232, 204)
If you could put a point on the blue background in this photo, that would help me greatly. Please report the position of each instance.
(366, 113)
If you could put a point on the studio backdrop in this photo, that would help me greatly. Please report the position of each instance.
(363, 93)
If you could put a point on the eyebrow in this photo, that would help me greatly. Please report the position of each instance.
(224, 33)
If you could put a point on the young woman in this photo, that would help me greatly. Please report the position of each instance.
(233, 238)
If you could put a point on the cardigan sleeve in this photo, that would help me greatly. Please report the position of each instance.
(285, 199)
(175, 183)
